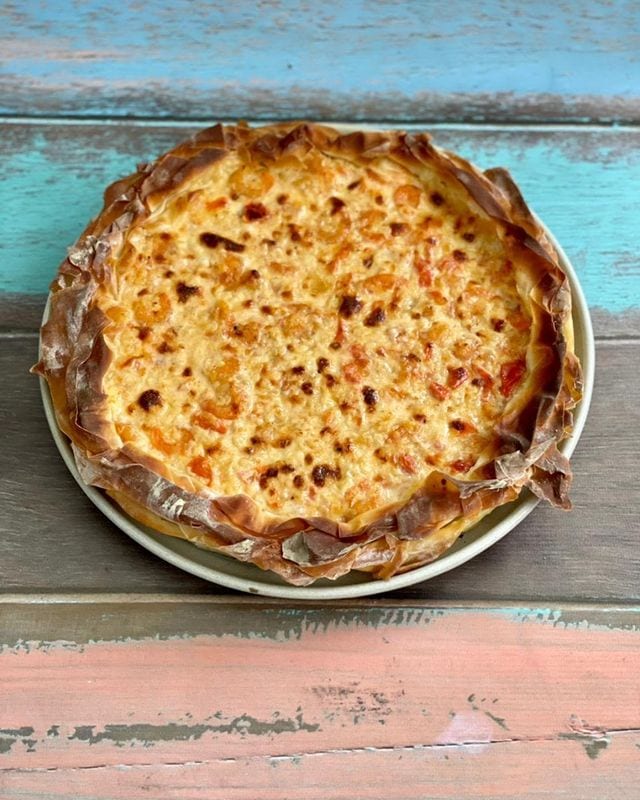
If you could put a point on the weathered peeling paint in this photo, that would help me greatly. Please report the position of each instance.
(581, 182)
(462, 676)
(45, 627)
(593, 745)
(9, 736)
(533, 769)
(146, 733)
(6, 743)
(447, 56)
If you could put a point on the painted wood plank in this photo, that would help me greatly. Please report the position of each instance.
(54, 540)
(501, 771)
(301, 700)
(446, 59)
(582, 181)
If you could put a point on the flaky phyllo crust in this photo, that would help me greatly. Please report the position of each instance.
(403, 532)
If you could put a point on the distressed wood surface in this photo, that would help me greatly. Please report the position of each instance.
(182, 691)
(171, 700)
(543, 769)
(53, 539)
(446, 59)
(582, 181)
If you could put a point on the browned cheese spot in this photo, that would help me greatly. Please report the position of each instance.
(185, 292)
(255, 211)
(370, 397)
(149, 398)
(349, 305)
(321, 472)
(212, 240)
(375, 317)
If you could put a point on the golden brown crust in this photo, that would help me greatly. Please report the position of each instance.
(75, 358)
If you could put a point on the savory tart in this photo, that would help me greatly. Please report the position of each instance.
(314, 351)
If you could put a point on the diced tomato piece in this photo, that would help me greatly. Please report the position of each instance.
(439, 391)
(457, 376)
(511, 374)
(352, 372)
(359, 355)
(462, 465)
(408, 463)
(379, 283)
(407, 195)
(216, 205)
(425, 275)
(482, 378)
(438, 298)
(209, 423)
(222, 411)
(125, 432)
(152, 309)
(201, 467)
(160, 443)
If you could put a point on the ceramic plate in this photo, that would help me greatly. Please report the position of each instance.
(234, 574)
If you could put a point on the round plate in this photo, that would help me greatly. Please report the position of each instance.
(244, 577)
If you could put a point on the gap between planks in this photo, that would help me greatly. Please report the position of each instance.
(89, 598)
(472, 745)
(411, 124)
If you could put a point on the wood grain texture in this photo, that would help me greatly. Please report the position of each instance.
(446, 59)
(54, 540)
(582, 181)
(188, 691)
(501, 771)
(360, 703)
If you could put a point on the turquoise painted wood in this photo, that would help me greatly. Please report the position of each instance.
(582, 181)
(445, 59)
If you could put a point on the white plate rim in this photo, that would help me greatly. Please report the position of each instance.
(585, 348)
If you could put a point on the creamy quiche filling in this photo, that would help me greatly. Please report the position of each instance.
(317, 334)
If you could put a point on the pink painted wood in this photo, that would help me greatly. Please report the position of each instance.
(527, 771)
(403, 703)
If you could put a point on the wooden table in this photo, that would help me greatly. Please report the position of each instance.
(517, 675)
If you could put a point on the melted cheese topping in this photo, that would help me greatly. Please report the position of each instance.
(313, 333)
